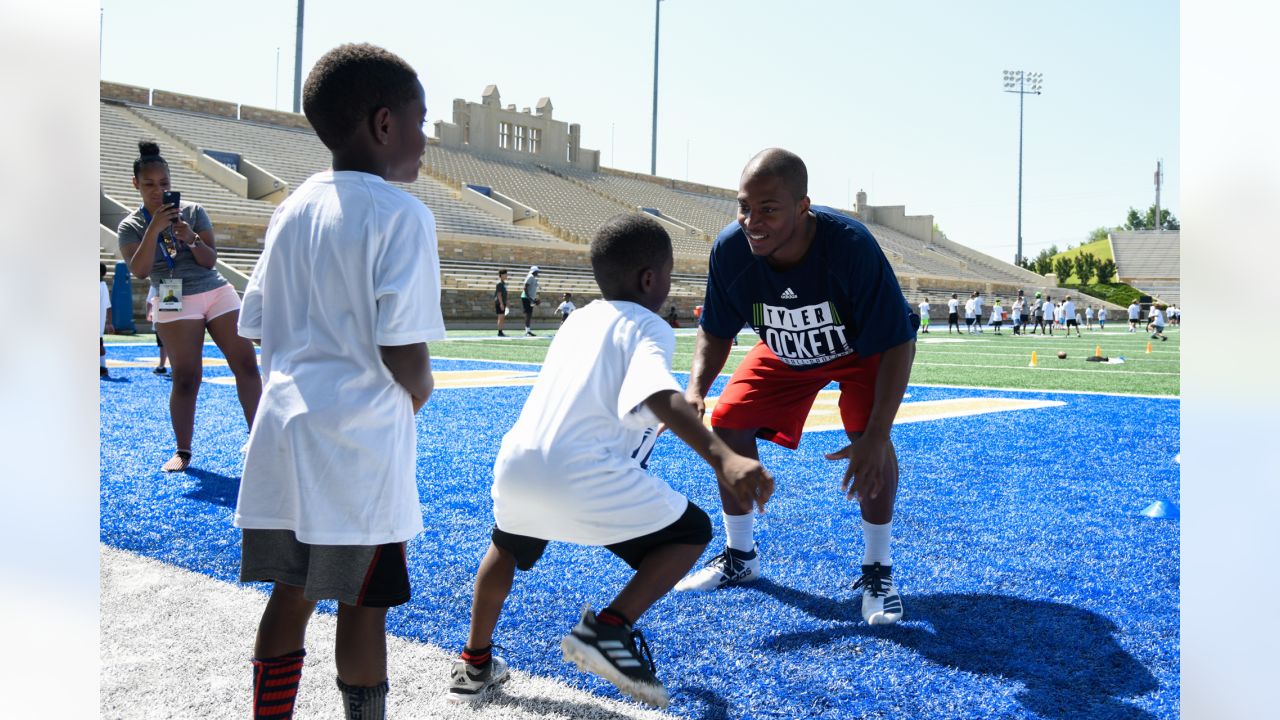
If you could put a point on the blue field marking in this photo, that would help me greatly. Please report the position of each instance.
(1032, 584)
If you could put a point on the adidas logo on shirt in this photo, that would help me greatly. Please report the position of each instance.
(788, 294)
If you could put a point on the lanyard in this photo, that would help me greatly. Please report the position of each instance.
(146, 217)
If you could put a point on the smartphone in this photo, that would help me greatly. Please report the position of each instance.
(172, 197)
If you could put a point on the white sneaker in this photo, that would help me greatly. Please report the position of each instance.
(731, 567)
(881, 604)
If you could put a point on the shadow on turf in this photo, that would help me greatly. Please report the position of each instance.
(1065, 657)
(214, 488)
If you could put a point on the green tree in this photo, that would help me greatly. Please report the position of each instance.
(1099, 233)
(1147, 221)
(1084, 263)
(1044, 261)
(1106, 270)
(1062, 266)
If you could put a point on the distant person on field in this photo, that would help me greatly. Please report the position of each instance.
(969, 317)
(1088, 317)
(329, 493)
(672, 318)
(1156, 326)
(1102, 319)
(924, 316)
(1135, 312)
(104, 319)
(977, 310)
(997, 316)
(1050, 314)
(500, 301)
(1037, 314)
(565, 307)
(1016, 313)
(573, 469)
(529, 298)
(1071, 316)
(953, 314)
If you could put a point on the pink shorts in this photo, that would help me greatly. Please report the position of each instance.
(201, 306)
(773, 398)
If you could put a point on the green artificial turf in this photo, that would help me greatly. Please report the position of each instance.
(987, 360)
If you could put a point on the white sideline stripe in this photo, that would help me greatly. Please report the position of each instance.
(1051, 369)
(175, 643)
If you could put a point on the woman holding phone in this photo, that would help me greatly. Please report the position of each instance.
(171, 242)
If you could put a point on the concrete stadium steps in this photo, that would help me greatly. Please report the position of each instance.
(294, 155)
(640, 193)
(1150, 255)
(120, 132)
(562, 203)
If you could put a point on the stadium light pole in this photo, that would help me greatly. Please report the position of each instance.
(1023, 83)
(297, 61)
(653, 145)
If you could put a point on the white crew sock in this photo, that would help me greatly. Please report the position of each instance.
(876, 539)
(738, 530)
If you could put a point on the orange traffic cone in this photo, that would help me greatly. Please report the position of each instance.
(1148, 347)
(1097, 351)
(1033, 362)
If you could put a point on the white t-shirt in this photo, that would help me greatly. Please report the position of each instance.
(1048, 310)
(566, 307)
(977, 306)
(1157, 317)
(1088, 312)
(924, 309)
(1102, 314)
(349, 263)
(997, 314)
(968, 308)
(952, 304)
(1133, 311)
(1069, 310)
(104, 304)
(572, 467)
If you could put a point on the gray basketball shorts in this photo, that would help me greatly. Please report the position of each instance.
(361, 575)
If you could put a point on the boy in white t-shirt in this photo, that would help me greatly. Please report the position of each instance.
(1050, 314)
(953, 314)
(572, 468)
(924, 316)
(1102, 319)
(1157, 322)
(997, 316)
(104, 319)
(969, 318)
(977, 311)
(1070, 317)
(565, 307)
(343, 301)
(1088, 317)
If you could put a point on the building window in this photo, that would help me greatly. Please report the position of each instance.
(520, 138)
(466, 132)
(535, 140)
(504, 135)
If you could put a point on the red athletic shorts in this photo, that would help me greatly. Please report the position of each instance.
(767, 394)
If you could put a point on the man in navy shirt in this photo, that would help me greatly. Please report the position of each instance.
(817, 289)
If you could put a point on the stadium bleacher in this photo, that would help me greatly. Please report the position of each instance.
(572, 203)
(1149, 261)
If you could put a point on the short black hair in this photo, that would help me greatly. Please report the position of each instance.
(503, 271)
(784, 165)
(350, 83)
(626, 244)
(148, 154)
(102, 270)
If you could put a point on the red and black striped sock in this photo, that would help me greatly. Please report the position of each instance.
(477, 658)
(275, 685)
(609, 616)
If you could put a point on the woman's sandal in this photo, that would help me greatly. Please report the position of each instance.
(180, 461)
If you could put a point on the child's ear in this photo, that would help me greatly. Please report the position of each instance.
(380, 124)
(648, 276)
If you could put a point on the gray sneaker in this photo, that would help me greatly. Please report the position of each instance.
(468, 684)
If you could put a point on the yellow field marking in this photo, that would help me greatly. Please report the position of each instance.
(825, 414)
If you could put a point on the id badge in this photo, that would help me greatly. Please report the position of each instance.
(170, 294)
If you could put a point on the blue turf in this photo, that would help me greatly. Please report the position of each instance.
(1033, 586)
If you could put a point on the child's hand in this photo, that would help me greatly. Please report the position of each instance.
(746, 480)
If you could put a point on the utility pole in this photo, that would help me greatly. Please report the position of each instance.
(653, 146)
(297, 61)
(1159, 177)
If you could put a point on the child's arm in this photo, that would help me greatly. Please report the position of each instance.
(410, 365)
(744, 478)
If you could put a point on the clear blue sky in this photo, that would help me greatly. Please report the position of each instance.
(903, 100)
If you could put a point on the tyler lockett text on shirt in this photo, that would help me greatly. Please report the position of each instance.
(810, 335)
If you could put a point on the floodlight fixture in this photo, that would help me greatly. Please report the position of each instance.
(1023, 83)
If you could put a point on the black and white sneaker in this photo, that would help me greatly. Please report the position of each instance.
(468, 683)
(731, 567)
(881, 604)
(611, 651)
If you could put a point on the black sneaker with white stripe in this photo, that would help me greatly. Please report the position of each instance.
(469, 684)
(731, 567)
(881, 603)
(611, 651)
